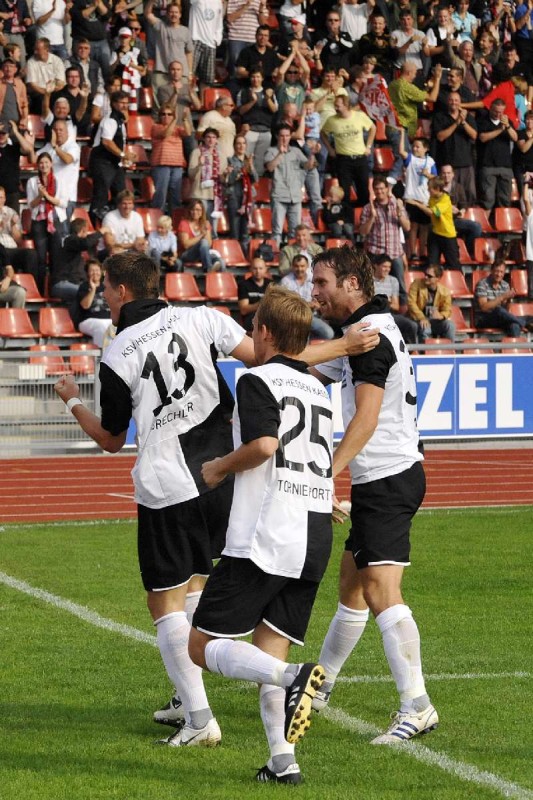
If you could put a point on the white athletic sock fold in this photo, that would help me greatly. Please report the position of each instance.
(173, 641)
(245, 661)
(191, 602)
(401, 641)
(272, 704)
(345, 630)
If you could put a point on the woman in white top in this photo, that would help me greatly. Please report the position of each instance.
(48, 202)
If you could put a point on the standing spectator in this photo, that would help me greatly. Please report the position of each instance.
(220, 118)
(256, 107)
(465, 23)
(471, 71)
(455, 82)
(167, 159)
(387, 284)
(13, 95)
(492, 296)
(325, 94)
(89, 21)
(206, 26)
(454, 133)
(298, 280)
(382, 222)
(65, 155)
(163, 246)
(10, 150)
(243, 17)
(261, 54)
(354, 17)
(528, 213)
(194, 238)
(419, 168)
(467, 229)
(94, 316)
(106, 164)
(124, 227)
(410, 44)
(496, 138)
(48, 200)
(127, 62)
(89, 68)
(17, 20)
(438, 34)
(288, 166)
(68, 271)
(251, 291)
(523, 17)
(443, 236)
(430, 305)
(303, 245)
(351, 152)
(172, 41)
(206, 168)
(377, 43)
(21, 259)
(79, 100)
(335, 51)
(181, 94)
(101, 105)
(292, 79)
(239, 177)
(11, 294)
(45, 72)
(59, 111)
(51, 17)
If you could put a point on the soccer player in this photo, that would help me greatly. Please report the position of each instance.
(381, 445)
(279, 534)
(161, 370)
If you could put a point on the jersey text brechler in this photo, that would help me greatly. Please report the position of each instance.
(303, 490)
(181, 413)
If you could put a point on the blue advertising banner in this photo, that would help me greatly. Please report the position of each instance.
(466, 396)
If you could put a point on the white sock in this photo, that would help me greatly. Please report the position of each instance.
(401, 641)
(173, 641)
(191, 601)
(345, 630)
(245, 661)
(272, 703)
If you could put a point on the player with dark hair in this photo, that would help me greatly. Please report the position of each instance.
(381, 445)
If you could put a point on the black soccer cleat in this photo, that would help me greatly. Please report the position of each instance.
(298, 701)
(290, 775)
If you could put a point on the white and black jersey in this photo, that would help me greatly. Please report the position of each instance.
(281, 513)
(161, 369)
(394, 445)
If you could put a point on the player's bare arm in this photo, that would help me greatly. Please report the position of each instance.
(67, 389)
(247, 456)
(368, 399)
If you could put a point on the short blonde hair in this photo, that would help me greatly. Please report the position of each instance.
(165, 222)
(288, 318)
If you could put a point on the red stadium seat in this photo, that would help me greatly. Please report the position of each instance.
(85, 189)
(139, 127)
(210, 95)
(485, 250)
(56, 323)
(36, 126)
(477, 351)
(263, 188)
(33, 294)
(521, 309)
(516, 350)
(181, 287)
(412, 275)
(82, 364)
(52, 360)
(231, 252)
(221, 286)
(459, 321)
(455, 282)
(15, 323)
(440, 351)
(150, 217)
(508, 220)
(383, 159)
(477, 214)
(146, 99)
(82, 213)
(518, 280)
(146, 189)
(477, 276)
(262, 220)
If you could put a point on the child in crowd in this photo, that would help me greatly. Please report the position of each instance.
(443, 237)
(312, 126)
(419, 168)
(337, 213)
(163, 246)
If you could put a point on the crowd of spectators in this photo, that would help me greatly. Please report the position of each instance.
(305, 96)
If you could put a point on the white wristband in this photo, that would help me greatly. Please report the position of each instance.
(74, 401)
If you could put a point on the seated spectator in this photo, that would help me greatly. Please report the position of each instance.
(419, 168)
(167, 159)
(68, 271)
(492, 296)
(207, 166)
(387, 284)
(65, 154)
(337, 213)
(48, 200)
(194, 238)
(124, 226)
(443, 236)
(13, 95)
(45, 72)
(89, 69)
(467, 229)
(257, 106)
(496, 138)
(93, 314)
(430, 305)
(251, 291)
(384, 221)
(79, 99)
(351, 152)
(238, 179)
(20, 258)
(11, 293)
(163, 246)
(300, 281)
(303, 245)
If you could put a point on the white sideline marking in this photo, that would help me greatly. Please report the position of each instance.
(82, 612)
(458, 769)
(442, 676)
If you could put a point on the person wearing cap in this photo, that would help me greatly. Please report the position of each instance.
(13, 95)
(128, 63)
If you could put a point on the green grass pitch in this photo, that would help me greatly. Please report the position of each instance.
(76, 699)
